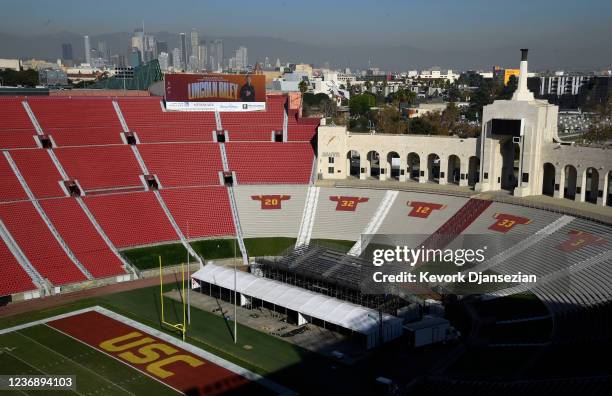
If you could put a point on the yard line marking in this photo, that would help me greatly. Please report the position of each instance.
(37, 369)
(78, 364)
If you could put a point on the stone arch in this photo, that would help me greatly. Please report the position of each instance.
(473, 170)
(453, 171)
(571, 177)
(548, 179)
(591, 191)
(394, 164)
(414, 166)
(433, 167)
(511, 154)
(374, 163)
(353, 163)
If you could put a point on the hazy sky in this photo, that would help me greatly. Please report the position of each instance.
(435, 24)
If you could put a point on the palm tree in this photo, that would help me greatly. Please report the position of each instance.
(303, 86)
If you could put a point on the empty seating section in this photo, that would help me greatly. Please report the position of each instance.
(78, 121)
(10, 189)
(38, 243)
(281, 218)
(343, 213)
(145, 117)
(201, 212)
(101, 167)
(16, 129)
(255, 162)
(415, 216)
(251, 132)
(301, 133)
(183, 164)
(14, 278)
(131, 219)
(39, 172)
(257, 125)
(82, 237)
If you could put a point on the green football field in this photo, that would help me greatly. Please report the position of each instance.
(41, 350)
(271, 357)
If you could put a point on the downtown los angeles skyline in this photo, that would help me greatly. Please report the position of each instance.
(392, 34)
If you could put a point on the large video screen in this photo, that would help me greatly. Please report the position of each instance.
(215, 92)
(506, 127)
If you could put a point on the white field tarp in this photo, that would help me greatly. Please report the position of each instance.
(350, 316)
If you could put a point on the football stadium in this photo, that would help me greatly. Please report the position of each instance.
(170, 244)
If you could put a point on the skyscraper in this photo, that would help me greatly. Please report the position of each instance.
(203, 53)
(183, 44)
(87, 50)
(138, 41)
(103, 50)
(162, 46)
(215, 55)
(163, 61)
(176, 59)
(195, 43)
(241, 58)
(67, 51)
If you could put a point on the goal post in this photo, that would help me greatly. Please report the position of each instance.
(182, 327)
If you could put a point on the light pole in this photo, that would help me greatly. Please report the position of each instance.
(235, 302)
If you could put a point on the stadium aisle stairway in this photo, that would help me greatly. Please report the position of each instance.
(200, 212)
(183, 164)
(39, 172)
(288, 163)
(78, 121)
(456, 224)
(38, 243)
(131, 219)
(82, 238)
(14, 278)
(16, 129)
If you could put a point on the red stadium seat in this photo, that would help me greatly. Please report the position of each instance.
(206, 209)
(131, 219)
(16, 129)
(183, 164)
(82, 237)
(39, 172)
(289, 163)
(14, 278)
(38, 243)
(78, 121)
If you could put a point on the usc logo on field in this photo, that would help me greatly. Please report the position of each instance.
(347, 204)
(505, 222)
(270, 201)
(137, 349)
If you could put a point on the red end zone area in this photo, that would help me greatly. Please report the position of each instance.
(168, 363)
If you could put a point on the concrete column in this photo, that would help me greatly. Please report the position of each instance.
(423, 171)
(560, 179)
(403, 165)
(580, 183)
(603, 186)
(464, 170)
(443, 168)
